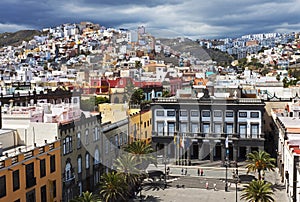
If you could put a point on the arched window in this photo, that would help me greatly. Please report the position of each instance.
(80, 188)
(96, 157)
(86, 136)
(68, 173)
(78, 140)
(79, 164)
(87, 161)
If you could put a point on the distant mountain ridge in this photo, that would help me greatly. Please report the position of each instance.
(16, 38)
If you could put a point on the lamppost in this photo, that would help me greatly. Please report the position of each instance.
(165, 162)
(226, 162)
(236, 176)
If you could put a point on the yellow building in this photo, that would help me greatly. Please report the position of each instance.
(140, 127)
(31, 174)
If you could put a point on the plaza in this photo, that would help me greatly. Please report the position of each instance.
(192, 188)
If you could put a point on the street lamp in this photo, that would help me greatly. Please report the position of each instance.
(236, 176)
(226, 162)
(226, 180)
(165, 162)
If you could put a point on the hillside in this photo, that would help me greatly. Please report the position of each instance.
(197, 51)
(16, 38)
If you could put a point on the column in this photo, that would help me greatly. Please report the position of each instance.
(235, 150)
(175, 152)
(188, 155)
(223, 153)
(248, 150)
(211, 151)
(200, 150)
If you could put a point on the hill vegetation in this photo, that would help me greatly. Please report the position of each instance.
(16, 38)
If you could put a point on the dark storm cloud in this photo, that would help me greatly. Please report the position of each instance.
(191, 18)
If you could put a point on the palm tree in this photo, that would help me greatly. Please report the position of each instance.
(260, 161)
(113, 187)
(126, 165)
(143, 152)
(257, 191)
(86, 197)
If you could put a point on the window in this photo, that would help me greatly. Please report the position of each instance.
(121, 139)
(194, 127)
(111, 140)
(183, 127)
(97, 133)
(2, 186)
(206, 128)
(217, 113)
(96, 157)
(16, 180)
(171, 128)
(243, 114)
(30, 179)
(80, 188)
(79, 164)
(243, 130)
(160, 128)
(145, 124)
(254, 130)
(218, 128)
(183, 113)
(254, 115)
(94, 134)
(194, 113)
(30, 196)
(67, 145)
(160, 113)
(86, 136)
(171, 113)
(42, 168)
(78, 140)
(229, 128)
(87, 161)
(52, 163)
(117, 140)
(229, 114)
(206, 114)
(68, 173)
(44, 193)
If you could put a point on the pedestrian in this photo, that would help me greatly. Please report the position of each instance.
(206, 185)
(181, 171)
(215, 186)
(201, 172)
(185, 171)
(198, 171)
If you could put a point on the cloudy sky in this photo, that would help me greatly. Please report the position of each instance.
(162, 18)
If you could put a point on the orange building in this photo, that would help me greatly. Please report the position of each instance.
(32, 175)
(140, 127)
